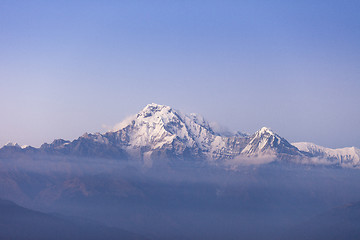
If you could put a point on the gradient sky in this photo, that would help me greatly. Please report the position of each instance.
(69, 67)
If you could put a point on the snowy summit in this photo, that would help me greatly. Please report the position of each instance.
(161, 133)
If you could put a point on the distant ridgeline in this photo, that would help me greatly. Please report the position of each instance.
(159, 133)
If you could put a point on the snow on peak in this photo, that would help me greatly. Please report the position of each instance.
(157, 125)
(11, 144)
(197, 118)
(264, 140)
(307, 146)
(265, 130)
(344, 156)
(162, 127)
(154, 108)
(148, 111)
(157, 114)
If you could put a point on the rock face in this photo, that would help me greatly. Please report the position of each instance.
(159, 132)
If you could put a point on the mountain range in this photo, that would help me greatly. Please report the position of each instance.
(159, 133)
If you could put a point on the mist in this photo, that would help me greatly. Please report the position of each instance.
(182, 200)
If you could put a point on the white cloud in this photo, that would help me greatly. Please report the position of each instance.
(123, 123)
(233, 164)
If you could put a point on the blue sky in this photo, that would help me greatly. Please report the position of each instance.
(69, 67)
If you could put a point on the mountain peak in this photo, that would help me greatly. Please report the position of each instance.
(162, 127)
(153, 107)
(266, 141)
(265, 130)
(11, 144)
(161, 132)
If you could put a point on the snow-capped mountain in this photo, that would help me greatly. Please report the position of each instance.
(159, 127)
(347, 157)
(266, 141)
(11, 148)
(159, 132)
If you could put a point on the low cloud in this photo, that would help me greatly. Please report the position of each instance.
(220, 129)
(118, 126)
(314, 161)
(123, 123)
(233, 164)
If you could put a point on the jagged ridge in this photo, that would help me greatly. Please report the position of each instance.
(161, 132)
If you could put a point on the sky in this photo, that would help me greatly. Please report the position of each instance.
(70, 67)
